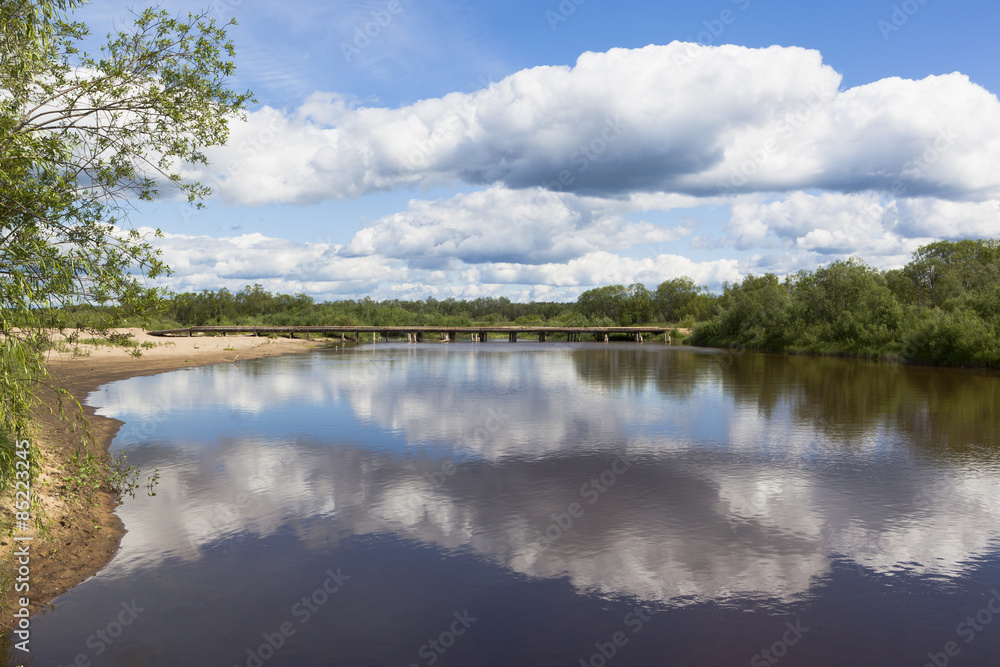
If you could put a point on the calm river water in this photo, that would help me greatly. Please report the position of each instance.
(548, 504)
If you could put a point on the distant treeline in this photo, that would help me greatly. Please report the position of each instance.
(254, 305)
(943, 307)
(673, 301)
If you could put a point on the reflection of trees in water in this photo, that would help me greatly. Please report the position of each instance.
(633, 369)
(938, 409)
(959, 411)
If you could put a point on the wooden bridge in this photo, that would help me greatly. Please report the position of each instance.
(477, 334)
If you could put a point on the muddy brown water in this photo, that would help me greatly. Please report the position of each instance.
(548, 504)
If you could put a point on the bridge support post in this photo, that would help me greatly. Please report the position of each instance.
(605, 338)
(420, 336)
(541, 336)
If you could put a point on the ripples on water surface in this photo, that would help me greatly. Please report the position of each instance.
(548, 505)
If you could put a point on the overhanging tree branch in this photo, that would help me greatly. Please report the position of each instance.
(81, 139)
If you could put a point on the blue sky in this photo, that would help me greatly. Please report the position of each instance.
(536, 149)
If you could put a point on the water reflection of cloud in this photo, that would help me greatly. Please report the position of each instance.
(762, 514)
(541, 410)
(738, 533)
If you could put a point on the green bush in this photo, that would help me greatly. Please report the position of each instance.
(957, 338)
(846, 306)
(753, 314)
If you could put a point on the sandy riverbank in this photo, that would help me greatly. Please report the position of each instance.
(83, 537)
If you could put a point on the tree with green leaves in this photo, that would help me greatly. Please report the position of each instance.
(82, 139)
(847, 305)
(754, 314)
(946, 270)
(680, 298)
(625, 305)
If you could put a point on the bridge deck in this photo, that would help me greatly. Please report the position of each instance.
(412, 332)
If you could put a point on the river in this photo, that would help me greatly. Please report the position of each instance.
(548, 504)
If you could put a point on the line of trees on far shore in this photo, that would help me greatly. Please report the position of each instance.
(678, 300)
(941, 308)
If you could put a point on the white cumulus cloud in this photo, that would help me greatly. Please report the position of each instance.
(674, 118)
